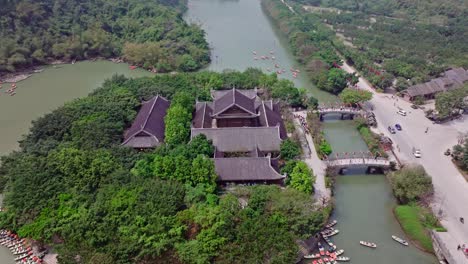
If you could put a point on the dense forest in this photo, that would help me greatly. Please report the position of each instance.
(72, 185)
(151, 34)
(397, 43)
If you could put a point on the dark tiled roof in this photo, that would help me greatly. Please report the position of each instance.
(245, 169)
(251, 93)
(453, 78)
(233, 98)
(148, 127)
(242, 139)
(202, 116)
(270, 118)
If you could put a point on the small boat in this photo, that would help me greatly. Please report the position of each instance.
(13, 93)
(321, 249)
(268, 69)
(331, 224)
(21, 257)
(255, 58)
(312, 256)
(368, 244)
(330, 233)
(339, 252)
(132, 67)
(272, 52)
(330, 244)
(343, 259)
(254, 52)
(273, 57)
(278, 72)
(400, 240)
(276, 66)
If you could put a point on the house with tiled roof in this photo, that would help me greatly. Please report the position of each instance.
(147, 130)
(452, 79)
(247, 133)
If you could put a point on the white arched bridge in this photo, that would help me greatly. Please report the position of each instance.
(339, 109)
(342, 161)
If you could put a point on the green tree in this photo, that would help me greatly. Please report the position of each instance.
(354, 96)
(302, 178)
(177, 123)
(447, 103)
(289, 149)
(411, 183)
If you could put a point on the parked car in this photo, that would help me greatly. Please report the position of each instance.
(416, 153)
(414, 106)
(391, 130)
(398, 127)
(402, 112)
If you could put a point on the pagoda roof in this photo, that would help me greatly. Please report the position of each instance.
(246, 169)
(147, 129)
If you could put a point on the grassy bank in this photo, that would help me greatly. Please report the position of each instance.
(417, 222)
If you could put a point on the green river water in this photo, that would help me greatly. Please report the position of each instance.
(235, 28)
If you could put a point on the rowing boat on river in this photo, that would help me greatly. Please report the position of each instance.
(400, 240)
(368, 244)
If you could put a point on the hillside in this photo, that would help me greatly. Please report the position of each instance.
(151, 34)
(407, 41)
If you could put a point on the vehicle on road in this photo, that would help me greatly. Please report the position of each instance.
(417, 153)
(401, 112)
(391, 130)
(447, 152)
(398, 127)
(414, 106)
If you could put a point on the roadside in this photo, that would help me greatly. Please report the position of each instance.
(451, 189)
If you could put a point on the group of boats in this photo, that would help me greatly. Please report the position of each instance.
(277, 69)
(332, 255)
(19, 247)
(12, 90)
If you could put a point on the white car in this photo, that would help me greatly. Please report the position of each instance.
(417, 153)
(402, 112)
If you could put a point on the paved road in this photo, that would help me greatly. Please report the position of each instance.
(451, 189)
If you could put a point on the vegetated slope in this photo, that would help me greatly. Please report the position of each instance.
(149, 33)
(409, 39)
(74, 186)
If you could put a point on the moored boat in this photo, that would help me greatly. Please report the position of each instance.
(312, 256)
(368, 244)
(400, 240)
(321, 249)
(344, 259)
(331, 224)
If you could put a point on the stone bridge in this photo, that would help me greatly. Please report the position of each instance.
(343, 110)
(345, 161)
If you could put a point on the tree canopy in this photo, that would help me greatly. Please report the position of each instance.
(451, 102)
(151, 34)
(355, 96)
(411, 183)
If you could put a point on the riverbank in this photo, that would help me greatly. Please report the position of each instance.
(24, 74)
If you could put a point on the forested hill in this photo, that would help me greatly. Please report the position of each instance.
(149, 33)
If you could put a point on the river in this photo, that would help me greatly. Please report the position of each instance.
(45, 91)
(364, 203)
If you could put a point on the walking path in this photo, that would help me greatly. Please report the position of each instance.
(315, 163)
(451, 189)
